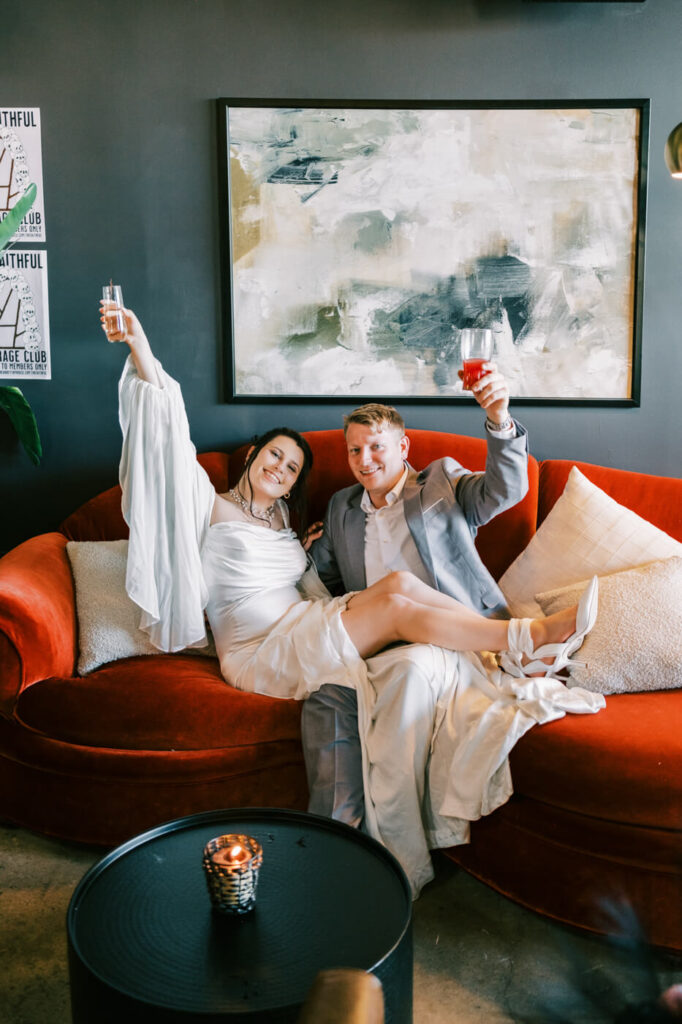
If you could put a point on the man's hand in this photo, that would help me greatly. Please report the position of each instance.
(492, 393)
(313, 533)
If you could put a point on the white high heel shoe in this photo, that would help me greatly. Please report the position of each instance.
(521, 643)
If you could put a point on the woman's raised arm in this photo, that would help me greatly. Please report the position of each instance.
(135, 339)
(167, 498)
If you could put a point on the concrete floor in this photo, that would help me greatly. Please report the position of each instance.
(478, 957)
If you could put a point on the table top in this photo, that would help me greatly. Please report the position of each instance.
(328, 896)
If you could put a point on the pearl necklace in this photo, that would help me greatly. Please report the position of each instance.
(239, 499)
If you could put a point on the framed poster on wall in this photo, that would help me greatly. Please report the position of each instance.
(359, 239)
(24, 315)
(21, 162)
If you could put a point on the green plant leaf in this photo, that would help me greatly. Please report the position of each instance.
(21, 415)
(10, 225)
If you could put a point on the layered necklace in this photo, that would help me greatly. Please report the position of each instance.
(265, 515)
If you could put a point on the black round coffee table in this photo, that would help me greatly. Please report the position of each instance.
(145, 944)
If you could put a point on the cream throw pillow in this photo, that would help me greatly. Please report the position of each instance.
(586, 533)
(636, 642)
(107, 618)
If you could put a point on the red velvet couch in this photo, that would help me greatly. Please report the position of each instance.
(597, 809)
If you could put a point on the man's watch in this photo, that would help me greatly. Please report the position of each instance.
(497, 428)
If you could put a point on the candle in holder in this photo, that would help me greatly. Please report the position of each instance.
(231, 865)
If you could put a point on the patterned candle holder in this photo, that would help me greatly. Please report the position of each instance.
(231, 865)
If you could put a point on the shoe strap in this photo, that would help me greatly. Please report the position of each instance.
(519, 639)
(550, 671)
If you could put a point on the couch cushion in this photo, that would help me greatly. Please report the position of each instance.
(656, 498)
(164, 702)
(623, 764)
(108, 621)
(636, 642)
(586, 532)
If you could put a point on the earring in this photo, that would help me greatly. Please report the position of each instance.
(287, 495)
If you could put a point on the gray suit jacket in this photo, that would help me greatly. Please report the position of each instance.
(444, 505)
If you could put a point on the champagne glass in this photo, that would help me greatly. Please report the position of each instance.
(113, 309)
(477, 348)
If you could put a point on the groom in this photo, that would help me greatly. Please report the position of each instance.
(399, 518)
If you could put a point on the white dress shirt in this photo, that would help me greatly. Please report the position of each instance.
(388, 542)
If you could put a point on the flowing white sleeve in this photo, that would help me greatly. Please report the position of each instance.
(167, 503)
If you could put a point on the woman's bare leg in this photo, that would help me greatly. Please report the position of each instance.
(387, 618)
(384, 614)
(408, 585)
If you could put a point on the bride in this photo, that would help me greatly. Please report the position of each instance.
(435, 753)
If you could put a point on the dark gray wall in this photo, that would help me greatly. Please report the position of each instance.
(126, 89)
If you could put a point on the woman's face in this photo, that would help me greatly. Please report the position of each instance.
(275, 469)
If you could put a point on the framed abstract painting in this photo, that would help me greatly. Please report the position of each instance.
(359, 239)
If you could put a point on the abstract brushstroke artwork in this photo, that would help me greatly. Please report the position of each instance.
(360, 239)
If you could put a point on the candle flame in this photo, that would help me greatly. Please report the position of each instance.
(235, 851)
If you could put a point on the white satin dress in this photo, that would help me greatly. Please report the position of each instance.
(436, 726)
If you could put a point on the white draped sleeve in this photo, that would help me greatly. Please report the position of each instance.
(167, 503)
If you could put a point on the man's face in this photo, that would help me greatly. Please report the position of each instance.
(376, 458)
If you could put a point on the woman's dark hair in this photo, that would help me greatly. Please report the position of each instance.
(298, 498)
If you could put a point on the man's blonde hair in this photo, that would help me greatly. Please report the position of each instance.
(375, 415)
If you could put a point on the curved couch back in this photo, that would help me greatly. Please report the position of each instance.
(656, 498)
(499, 542)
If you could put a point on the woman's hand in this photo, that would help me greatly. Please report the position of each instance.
(133, 332)
(134, 337)
(313, 533)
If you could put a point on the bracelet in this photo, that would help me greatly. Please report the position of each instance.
(497, 428)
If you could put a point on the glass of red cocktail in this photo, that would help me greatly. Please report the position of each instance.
(477, 349)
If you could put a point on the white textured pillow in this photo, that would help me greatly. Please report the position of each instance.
(107, 618)
(586, 533)
(636, 642)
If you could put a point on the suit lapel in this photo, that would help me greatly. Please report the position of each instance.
(354, 537)
(412, 506)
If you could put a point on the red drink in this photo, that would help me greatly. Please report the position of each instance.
(473, 371)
